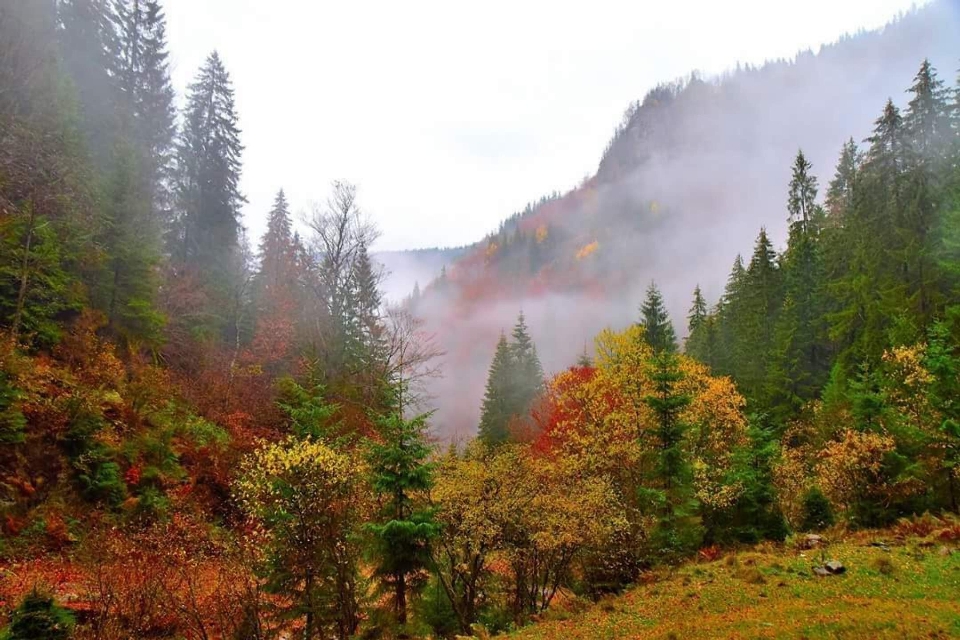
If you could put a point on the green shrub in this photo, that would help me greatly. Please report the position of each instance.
(435, 611)
(38, 617)
(12, 422)
(817, 511)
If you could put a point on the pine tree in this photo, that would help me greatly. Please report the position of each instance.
(800, 360)
(146, 94)
(89, 49)
(527, 373)
(658, 329)
(697, 328)
(761, 300)
(130, 236)
(497, 400)
(205, 236)
(278, 253)
(927, 120)
(728, 318)
(677, 531)
(207, 232)
(402, 475)
(839, 200)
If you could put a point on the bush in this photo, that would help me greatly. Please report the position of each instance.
(38, 617)
(817, 511)
(12, 422)
(435, 611)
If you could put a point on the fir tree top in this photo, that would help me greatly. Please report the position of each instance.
(659, 331)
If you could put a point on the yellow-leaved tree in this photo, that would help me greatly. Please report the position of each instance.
(310, 502)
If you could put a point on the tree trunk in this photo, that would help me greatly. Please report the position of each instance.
(24, 278)
(400, 585)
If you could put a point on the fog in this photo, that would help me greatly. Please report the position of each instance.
(686, 184)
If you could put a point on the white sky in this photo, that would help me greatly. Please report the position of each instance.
(450, 116)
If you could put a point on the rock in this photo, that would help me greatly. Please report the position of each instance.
(820, 572)
(835, 567)
(812, 541)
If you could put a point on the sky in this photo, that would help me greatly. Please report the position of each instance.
(451, 116)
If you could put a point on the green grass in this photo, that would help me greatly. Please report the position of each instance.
(910, 591)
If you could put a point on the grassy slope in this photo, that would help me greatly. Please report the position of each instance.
(910, 591)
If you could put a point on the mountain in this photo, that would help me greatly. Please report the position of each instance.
(692, 173)
(403, 270)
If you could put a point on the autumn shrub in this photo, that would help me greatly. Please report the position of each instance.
(39, 617)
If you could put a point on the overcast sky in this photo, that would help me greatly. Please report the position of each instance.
(450, 116)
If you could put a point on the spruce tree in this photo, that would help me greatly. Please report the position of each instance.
(278, 259)
(205, 235)
(677, 531)
(527, 373)
(89, 50)
(498, 397)
(402, 475)
(146, 94)
(697, 327)
(761, 300)
(839, 200)
(208, 161)
(658, 329)
(800, 360)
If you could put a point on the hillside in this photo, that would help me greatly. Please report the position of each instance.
(908, 589)
(695, 169)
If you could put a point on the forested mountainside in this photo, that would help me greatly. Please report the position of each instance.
(691, 174)
(407, 271)
(205, 435)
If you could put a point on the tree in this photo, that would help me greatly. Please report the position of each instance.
(527, 373)
(497, 400)
(206, 231)
(401, 477)
(39, 617)
(141, 71)
(698, 327)
(89, 49)
(673, 502)
(760, 301)
(839, 200)
(308, 499)
(658, 330)
(35, 288)
(800, 359)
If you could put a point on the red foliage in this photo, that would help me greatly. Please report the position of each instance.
(560, 408)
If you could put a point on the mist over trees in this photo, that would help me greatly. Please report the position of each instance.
(691, 174)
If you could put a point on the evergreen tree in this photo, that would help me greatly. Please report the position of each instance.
(39, 617)
(130, 236)
(839, 200)
(401, 477)
(658, 329)
(728, 318)
(278, 251)
(761, 299)
(497, 400)
(800, 362)
(205, 237)
(527, 373)
(146, 94)
(89, 50)
(35, 287)
(697, 328)
(677, 531)
(207, 230)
